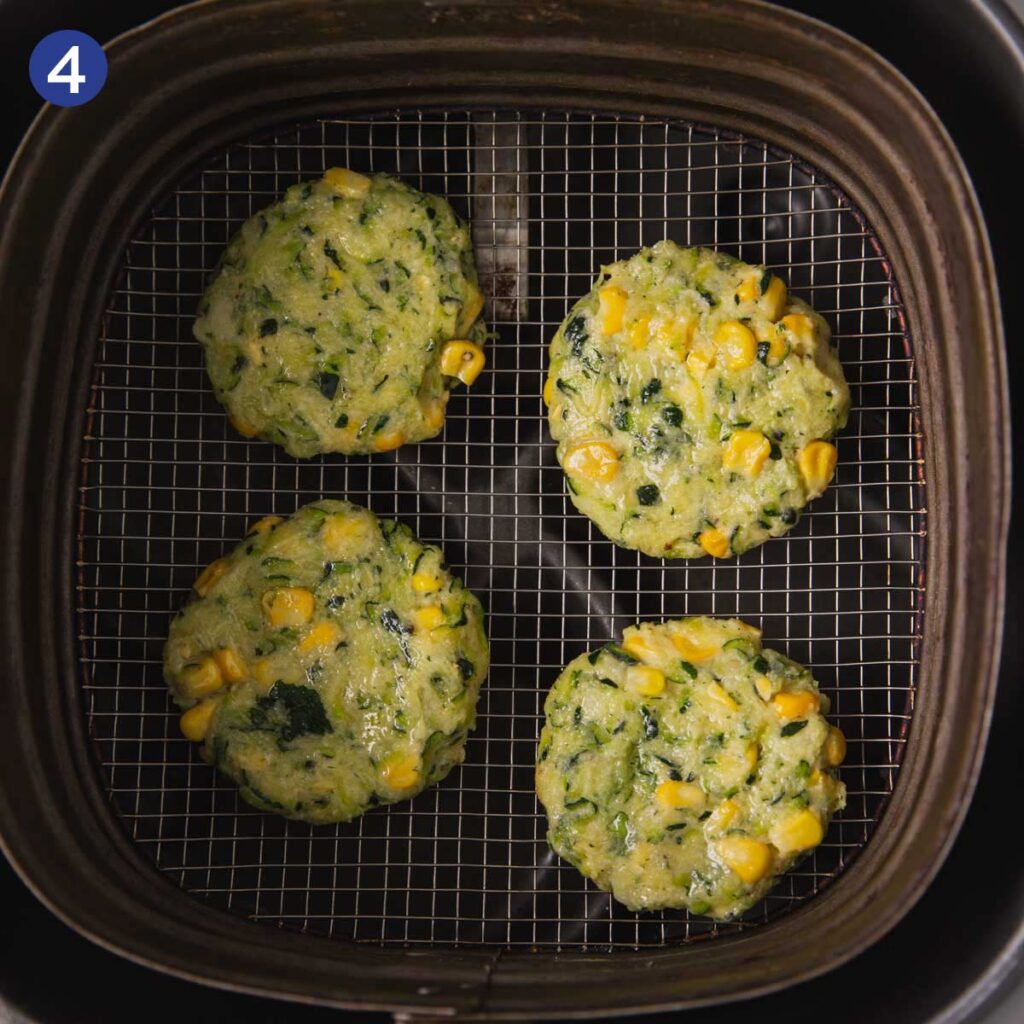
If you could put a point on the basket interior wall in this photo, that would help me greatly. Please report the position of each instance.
(167, 486)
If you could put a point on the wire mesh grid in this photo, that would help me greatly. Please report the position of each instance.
(167, 486)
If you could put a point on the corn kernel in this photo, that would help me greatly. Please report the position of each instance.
(799, 832)
(343, 535)
(778, 348)
(401, 771)
(231, 666)
(720, 695)
(462, 359)
(749, 858)
(764, 688)
(835, 747)
(817, 464)
(389, 441)
(335, 278)
(816, 778)
(737, 344)
(470, 311)
(700, 359)
(549, 391)
(427, 618)
(645, 681)
(801, 329)
(613, 306)
(752, 755)
(200, 679)
(714, 542)
(679, 796)
(349, 184)
(690, 650)
(264, 673)
(322, 637)
(243, 426)
(746, 452)
(792, 705)
(593, 460)
(676, 335)
(195, 723)
(288, 606)
(773, 301)
(433, 412)
(642, 646)
(263, 526)
(723, 816)
(749, 290)
(425, 582)
(639, 332)
(208, 578)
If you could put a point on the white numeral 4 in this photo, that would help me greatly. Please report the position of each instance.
(72, 79)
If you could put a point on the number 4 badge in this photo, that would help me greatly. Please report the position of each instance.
(68, 68)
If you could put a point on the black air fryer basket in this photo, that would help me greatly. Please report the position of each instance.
(569, 134)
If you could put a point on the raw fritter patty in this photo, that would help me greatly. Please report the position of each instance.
(325, 325)
(330, 663)
(688, 768)
(691, 399)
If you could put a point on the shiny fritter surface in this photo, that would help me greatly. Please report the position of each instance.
(691, 399)
(324, 326)
(330, 663)
(688, 767)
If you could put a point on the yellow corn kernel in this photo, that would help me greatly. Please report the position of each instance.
(700, 359)
(679, 796)
(433, 412)
(335, 278)
(288, 606)
(816, 778)
(737, 344)
(764, 688)
(425, 582)
(389, 441)
(231, 666)
(835, 747)
(689, 650)
(749, 290)
(462, 359)
(401, 771)
(801, 329)
(641, 647)
(195, 723)
(639, 332)
(243, 426)
(773, 301)
(593, 460)
(752, 755)
(342, 534)
(264, 673)
(349, 184)
(719, 695)
(645, 681)
(200, 679)
(322, 637)
(799, 832)
(613, 305)
(817, 464)
(723, 816)
(714, 542)
(208, 577)
(263, 526)
(746, 452)
(549, 390)
(795, 704)
(676, 335)
(427, 618)
(749, 858)
(470, 311)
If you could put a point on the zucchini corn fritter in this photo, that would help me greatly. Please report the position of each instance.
(330, 663)
(340, 317)
(687, 767)
(692, 400)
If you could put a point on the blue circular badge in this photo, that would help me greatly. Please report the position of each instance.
(68, 68)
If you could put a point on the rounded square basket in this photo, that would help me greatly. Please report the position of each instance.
(568, 135)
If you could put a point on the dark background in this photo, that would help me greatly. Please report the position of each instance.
(951, 950)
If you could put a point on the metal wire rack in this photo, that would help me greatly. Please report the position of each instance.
(167, 486)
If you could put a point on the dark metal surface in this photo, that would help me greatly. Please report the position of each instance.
(876, 179)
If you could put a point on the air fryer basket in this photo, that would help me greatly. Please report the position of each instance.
(453, 903)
